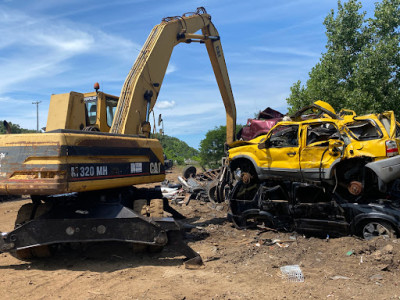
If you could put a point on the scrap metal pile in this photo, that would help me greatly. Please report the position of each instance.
(192, 185)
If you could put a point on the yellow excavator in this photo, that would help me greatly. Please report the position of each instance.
(80, 173)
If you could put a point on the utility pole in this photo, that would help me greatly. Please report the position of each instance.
(37, 114)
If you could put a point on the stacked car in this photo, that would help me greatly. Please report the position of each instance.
(322, 171)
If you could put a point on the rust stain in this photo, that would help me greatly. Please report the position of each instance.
(109, 142)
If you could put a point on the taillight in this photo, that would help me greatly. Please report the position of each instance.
(391, 148)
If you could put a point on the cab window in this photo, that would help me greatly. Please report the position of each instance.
(91, 107)
(284, 136)
(111, 107)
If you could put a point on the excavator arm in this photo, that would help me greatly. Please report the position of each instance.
(143, 83)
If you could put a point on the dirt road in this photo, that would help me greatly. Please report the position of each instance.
(238, 265)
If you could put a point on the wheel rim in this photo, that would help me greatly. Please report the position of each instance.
(374, 229)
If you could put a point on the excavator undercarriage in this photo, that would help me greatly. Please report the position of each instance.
(112, 215)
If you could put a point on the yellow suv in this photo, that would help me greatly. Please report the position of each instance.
(345, 153)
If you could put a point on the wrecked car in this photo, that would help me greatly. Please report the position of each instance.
(265, 120)
(352, 157)
(310, 209)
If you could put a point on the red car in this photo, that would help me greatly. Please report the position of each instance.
(261, 125)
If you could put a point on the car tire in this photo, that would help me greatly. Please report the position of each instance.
(374, 228)
(189, 171)
(211, 189)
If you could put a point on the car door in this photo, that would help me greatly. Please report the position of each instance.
(315, 157)
(281, 152)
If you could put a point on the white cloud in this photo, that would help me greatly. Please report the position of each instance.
(171, 68)
(38, 48)
(165, 104)
(72, 41)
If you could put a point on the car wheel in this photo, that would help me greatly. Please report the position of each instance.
(189, 171)
(211, 189)
(372, 229)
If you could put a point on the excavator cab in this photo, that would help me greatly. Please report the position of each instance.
(89, 111)
(100, 109)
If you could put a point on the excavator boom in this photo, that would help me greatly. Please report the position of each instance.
(143, 83)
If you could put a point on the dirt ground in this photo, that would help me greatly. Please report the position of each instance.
(238, 265)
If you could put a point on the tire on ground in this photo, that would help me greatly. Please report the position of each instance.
(211, 189)
(189, 171)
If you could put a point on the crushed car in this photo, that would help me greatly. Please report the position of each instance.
(335, 172)
(310, 209)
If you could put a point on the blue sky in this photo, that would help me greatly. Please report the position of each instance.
(50, 47)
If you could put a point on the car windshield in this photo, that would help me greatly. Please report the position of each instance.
(364, 130)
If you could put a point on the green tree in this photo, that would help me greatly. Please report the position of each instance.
(360, 68)
(212, 147)
(377, 76)
(176, 149)
(15, 128)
